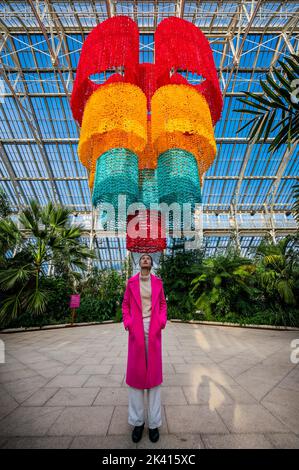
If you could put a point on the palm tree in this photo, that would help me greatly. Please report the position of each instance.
(47, 238)
(10, 240)
(224, 285)
(278, 270)
(277, 109)
(5, 208)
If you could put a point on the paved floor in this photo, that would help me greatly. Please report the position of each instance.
(223, 387)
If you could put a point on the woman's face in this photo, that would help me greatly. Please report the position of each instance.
(145, 261)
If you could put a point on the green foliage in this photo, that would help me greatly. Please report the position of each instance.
(57, 310)
(101, 293)
(177, 272)
(278, 277)
(48, 241)
(174, 311)
(5, 209)
(227, 287)
(276, 111)
(224, 285)
(92, 309)
(232, 288)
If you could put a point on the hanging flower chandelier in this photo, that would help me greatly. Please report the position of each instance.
(146, 131)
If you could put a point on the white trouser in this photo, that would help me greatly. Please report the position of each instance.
(136, 398)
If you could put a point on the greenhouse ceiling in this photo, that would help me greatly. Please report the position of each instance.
(40, 46)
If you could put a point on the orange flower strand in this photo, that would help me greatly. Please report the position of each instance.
(181, 119)
(104, 142)
(180, 105)
(115, 107)
(203, 148)
(148, 156)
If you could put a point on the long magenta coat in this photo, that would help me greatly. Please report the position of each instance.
(138, 375)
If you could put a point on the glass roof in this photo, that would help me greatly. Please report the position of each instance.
(40, 50)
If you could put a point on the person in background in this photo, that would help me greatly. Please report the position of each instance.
(144, 311)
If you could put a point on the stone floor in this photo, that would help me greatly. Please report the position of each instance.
(223, 387)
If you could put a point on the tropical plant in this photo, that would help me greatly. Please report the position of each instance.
(11, 239)
(225, 285)
(276, 111)
(177, 272)
(278, 270)
(102, 293)
(57, 310)
(46, 237)
(5, 208)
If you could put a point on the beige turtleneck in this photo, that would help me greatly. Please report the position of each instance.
(146, 295)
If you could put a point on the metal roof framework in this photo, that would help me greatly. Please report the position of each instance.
(40, 45)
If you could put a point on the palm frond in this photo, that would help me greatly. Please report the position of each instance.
(276, 103)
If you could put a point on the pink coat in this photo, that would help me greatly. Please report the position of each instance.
(138, 375)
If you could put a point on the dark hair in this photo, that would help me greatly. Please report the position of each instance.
(146, 254)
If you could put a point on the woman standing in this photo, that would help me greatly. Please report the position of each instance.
(144, 312)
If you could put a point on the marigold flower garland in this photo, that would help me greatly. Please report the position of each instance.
(181, 119)
(114, 116)
(146, 131)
